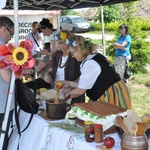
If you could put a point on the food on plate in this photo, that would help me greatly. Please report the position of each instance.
(42, 90)
(48, 94)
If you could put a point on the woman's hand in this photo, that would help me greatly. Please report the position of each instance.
(70, 83)
(75, 92)
(120, 46)
(115, 45)
(66, 89)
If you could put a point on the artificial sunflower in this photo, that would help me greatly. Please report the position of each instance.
(20, 56)
(17, 58)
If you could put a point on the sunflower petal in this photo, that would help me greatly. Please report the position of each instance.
(18, 73)
(11, 47)
(30, 54)
(4, 50)
(31, 63)
(3, 64)
(15, 67)
(8, 59)
(25, 65)
(22, 44)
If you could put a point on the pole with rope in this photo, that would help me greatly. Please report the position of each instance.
(12, 80)
(103, 34)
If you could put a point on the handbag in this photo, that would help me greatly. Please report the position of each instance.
(25, 97)
(127, 72)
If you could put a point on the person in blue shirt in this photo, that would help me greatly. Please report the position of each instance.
(123, 43)
(123, 54)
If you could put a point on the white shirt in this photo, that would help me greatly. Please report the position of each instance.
(60, 74)
(35, 47)
(52, 37)
(90, 70)
(4, 89)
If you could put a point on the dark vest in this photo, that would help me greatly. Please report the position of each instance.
(72, 71)
(106, 78)
(72, 67)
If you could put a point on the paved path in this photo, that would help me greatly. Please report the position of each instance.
(97, 36)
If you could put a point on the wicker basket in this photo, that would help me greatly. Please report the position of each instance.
(100, 109)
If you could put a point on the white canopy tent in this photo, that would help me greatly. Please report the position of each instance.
(48, 5)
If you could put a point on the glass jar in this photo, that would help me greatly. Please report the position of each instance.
(98, 133)
(89, 135)
(88, 124)
(72, 119)
(89, 131)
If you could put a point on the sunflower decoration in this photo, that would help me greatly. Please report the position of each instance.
(17, 58)
(62, 35)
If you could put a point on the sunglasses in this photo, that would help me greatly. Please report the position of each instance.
(72, 53)
(10, 32)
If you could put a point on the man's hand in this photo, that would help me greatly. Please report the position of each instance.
(27, 72)
(47, 78)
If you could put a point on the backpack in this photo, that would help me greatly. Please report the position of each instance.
(127, 72)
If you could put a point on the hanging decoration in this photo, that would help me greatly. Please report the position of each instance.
(17, 58)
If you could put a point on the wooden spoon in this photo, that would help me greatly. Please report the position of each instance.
(133, 128)
(146, 120)
(120, 122)
(134, 118)
(141, 129)
(59, 85)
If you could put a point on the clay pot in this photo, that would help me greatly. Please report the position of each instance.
(57, 110)
(129, 142)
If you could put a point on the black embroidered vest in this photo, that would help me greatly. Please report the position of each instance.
(106, 78)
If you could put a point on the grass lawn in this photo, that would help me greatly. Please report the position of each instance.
(140, 84)
(97, 42)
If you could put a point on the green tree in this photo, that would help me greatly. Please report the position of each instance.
(69, 12)
(111, 13)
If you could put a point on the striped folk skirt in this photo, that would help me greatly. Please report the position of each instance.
(118, 94)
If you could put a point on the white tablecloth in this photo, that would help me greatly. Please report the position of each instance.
(39, 136)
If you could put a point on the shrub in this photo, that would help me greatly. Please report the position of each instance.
(112, 26)
(95, 26)
(145, 24)
(140, 51)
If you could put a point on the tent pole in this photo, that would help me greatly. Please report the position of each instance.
(16, 23)
(12, 80)
(103, 37)
(58, 21)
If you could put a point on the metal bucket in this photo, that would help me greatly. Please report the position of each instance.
(57, 111)
(129, 142)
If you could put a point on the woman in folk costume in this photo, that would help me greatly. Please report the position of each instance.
(98, 79)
